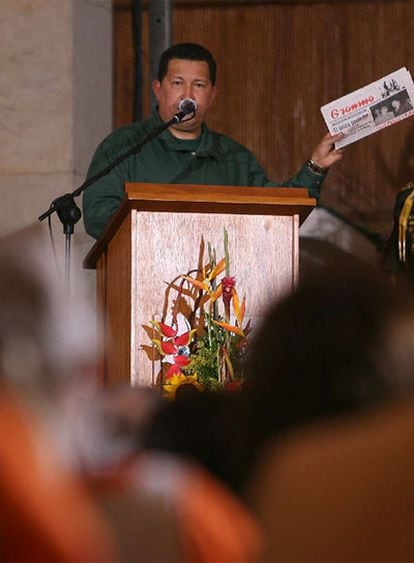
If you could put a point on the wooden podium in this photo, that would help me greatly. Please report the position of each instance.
(155, 236)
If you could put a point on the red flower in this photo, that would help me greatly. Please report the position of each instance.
(234, 385)
(228, 284)
(176, 346)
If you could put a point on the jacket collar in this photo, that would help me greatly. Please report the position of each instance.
(207, 147)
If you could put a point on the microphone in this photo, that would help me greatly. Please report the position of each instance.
(185, 107)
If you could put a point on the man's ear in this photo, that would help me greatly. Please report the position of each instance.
(156, 87)
(213, 96)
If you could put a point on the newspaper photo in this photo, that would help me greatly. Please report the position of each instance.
(367, 110)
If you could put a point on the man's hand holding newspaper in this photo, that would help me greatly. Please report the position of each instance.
(326, 152)
(369, 109)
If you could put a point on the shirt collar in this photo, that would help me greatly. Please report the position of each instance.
(206, 148)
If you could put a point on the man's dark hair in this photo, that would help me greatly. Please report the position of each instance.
(187, 52)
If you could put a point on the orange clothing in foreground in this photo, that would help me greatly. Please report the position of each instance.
(344, 492)
(215, 526)
(45, 514)
(177, 508)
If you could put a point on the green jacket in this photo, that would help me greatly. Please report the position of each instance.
(213, 159)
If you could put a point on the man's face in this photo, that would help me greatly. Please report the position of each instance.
(185, 79)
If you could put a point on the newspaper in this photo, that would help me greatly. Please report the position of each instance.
(369, 109)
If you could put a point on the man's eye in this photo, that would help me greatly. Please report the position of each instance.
(200, 85)
(176, 83)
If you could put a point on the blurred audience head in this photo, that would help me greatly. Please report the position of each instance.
(46, 341)
(198, 427)
(110, 427)
(47, 337)
(341, 343)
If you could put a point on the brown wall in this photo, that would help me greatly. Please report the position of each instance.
(278, 63)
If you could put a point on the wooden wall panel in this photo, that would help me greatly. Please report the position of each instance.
(279, 62)
(123, 63)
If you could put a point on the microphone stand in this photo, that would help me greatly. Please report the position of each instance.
(65, 206)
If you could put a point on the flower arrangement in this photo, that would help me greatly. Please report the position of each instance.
(204, 339)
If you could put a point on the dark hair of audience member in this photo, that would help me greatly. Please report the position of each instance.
(196, 426)
(341, 343)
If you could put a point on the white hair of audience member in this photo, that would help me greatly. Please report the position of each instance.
(109, 427)
(48, 341)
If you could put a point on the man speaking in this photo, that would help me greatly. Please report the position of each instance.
(188, 152)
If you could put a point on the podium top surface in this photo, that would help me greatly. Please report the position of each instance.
(183, 193)
(195, 198)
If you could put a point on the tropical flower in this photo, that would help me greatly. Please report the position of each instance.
(228, 284)
(173, 345)
(178, 380)
(209, 352)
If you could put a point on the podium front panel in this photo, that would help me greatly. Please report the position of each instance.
(264, 259)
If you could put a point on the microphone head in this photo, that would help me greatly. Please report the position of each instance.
(187, 106)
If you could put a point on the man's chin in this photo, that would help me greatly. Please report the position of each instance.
(186, 130)
(190, 122)
(188, 126)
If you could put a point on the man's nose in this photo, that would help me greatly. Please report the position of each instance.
(189, 91)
